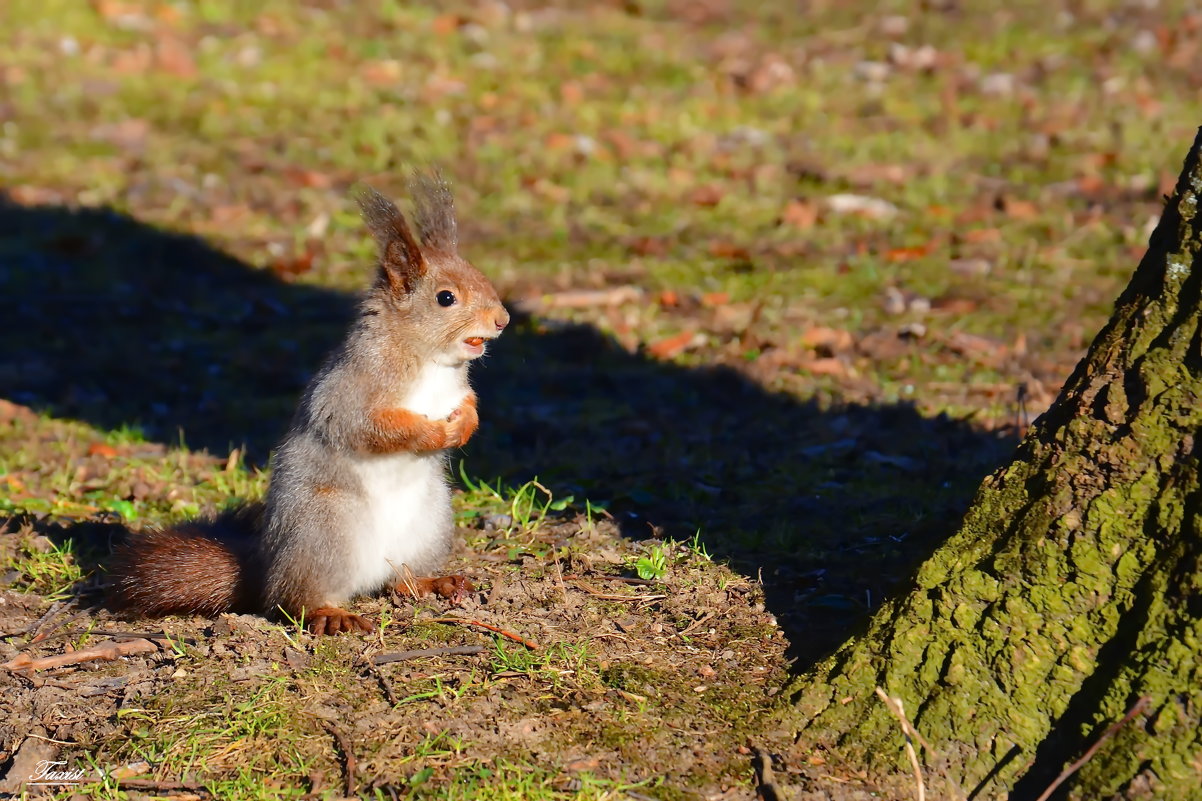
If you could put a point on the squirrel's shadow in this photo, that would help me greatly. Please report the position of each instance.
(117, 323)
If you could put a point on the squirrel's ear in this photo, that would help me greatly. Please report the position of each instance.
(400, 257)
(435, 211)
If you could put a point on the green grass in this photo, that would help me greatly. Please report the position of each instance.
(653, 564)
(46, 568)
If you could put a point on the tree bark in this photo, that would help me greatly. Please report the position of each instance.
(1073, 587)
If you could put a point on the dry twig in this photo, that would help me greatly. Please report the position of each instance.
(894, 705)
(348, 757)
(105, 651)
(765, 780)
(698, 622)
(563, 591)
(533, 646)
(580, 299)
(44, 634)
(145, 635)
(116, 635)
(604, 577)
(608, 596)
(55, 608)
(151, 784)
(1135, 709)
(383, 681)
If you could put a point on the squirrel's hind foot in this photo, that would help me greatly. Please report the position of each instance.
(455, 589)
(332, 620)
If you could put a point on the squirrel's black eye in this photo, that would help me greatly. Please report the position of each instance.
(446, 298)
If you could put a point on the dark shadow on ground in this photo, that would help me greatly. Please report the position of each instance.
(117, 323)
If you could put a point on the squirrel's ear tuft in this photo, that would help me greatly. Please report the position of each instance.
(400, 257)
(435, 211)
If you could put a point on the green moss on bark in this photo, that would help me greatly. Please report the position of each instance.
(1074, 585)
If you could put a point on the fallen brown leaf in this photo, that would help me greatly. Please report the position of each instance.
(1018, 209)
(581, 299)
(800, 214)
(446, 24)
(648, 246)
(706, 195)
(907, 254)
(299, 264)
(299, 176)
(381, 73)
(824, 366)
(571, 93)
(728, 250)
(671, 346)
(954, 305)
(820, 337)
(982, 235)
(174, 56)
(868, 175)
(557, 140)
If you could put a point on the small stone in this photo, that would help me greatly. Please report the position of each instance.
(998, 84)
(871, 207)
(974, 268)
(1144, 42)
(249, 56)
(494, 521)
(913, 58)
(894, 301)
(873, 71)
(475, 33)
(585, 145)
(893, 25)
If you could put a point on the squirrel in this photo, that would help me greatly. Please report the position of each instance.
(358, 490)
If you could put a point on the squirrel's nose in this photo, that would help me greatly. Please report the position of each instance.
(501, 320)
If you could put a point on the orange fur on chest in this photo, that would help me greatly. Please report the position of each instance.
(394, 429)
(402, 430)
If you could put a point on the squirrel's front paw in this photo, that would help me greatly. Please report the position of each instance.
(461, 424)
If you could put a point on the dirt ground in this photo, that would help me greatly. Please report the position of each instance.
(671, 673)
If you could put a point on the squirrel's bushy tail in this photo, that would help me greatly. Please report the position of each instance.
(198, 567)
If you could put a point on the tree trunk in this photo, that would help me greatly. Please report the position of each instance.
(1074, 585)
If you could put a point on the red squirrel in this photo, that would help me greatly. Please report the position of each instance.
(358, 490)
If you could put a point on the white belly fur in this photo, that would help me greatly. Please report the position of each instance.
(406, 519)
(437, 392)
